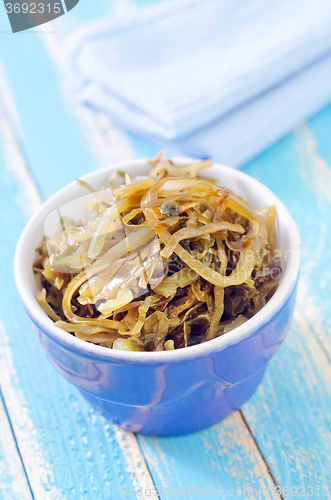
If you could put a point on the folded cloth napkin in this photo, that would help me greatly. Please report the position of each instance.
(208, 78)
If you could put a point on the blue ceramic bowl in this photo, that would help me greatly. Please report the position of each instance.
(171, 392)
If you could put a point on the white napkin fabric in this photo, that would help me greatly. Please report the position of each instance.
(209, 78)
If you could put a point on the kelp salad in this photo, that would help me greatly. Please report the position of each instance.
(167, 261)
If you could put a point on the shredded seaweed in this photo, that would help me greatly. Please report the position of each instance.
(172, 260)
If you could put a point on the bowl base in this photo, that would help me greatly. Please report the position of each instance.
(207, 406)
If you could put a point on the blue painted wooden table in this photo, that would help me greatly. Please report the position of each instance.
(52, 444)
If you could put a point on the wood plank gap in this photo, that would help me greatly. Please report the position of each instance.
(137, 465)
(262, 456)
(302, 317)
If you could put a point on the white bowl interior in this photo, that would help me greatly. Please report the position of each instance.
(71, 200)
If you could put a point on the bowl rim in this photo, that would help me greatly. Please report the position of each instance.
(87, 349)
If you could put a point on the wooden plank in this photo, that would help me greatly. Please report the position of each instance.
(13, 481)
(289, 415)
(68, 450)
(223, 459)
